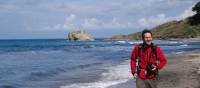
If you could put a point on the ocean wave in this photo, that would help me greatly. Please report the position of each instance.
(184, 45)
(82, 66)
(115, 75)
(173, 42)
(179, 52)
(40, 75)
(129, 42)
(123, 42)
(101, 84)
(7, 86)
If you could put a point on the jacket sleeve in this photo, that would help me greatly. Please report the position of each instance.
(134, 56)
(161, 57)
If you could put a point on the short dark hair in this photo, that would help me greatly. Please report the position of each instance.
(145, 31)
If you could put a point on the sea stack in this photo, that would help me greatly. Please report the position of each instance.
(79, 36)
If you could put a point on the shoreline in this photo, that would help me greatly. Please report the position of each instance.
(170, 39)
(181, 71)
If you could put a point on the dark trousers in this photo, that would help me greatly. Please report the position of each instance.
(147, 83)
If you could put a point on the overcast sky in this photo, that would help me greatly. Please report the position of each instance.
(24, 19)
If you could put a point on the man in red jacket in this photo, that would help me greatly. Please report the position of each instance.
(146, 60)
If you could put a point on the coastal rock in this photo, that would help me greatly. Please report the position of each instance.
(79, 36)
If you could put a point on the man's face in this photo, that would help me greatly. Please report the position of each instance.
(148, 38)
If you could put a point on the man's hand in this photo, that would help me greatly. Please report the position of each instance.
(154, 67)
(135, 75)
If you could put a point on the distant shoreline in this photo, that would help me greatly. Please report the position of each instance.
(172, 39)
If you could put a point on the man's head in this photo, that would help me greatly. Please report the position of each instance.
(147, 37)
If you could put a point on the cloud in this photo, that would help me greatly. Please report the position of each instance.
(68, 24)
(143, 22)
(102, 15)
(186, 13)
(6, 8)
(116, 23)
(72, 22)
(91, 23)
(162, 18)
(153, 21)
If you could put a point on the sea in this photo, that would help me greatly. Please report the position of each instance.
(60, 63)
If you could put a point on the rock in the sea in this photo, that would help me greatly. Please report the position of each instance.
(79, 36)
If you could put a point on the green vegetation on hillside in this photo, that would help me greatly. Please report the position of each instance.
(183, 29)
(195, 20)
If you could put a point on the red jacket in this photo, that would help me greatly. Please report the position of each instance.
(143, 57)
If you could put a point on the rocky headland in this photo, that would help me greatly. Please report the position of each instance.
(79, 36)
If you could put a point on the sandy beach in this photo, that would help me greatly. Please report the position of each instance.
(181, 71)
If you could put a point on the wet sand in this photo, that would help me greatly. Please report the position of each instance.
(181, 71)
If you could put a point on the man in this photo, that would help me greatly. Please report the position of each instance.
(146, 60)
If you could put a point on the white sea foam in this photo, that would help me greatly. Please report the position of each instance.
(173, 42)
(136, 42)
(180, 52)
(115, 75)
(131, 42)
(123, 42)
(184, 45)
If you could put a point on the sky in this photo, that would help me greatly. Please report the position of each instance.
(51, 19)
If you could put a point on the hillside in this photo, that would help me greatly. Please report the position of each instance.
(183, 29)
(169, 30)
